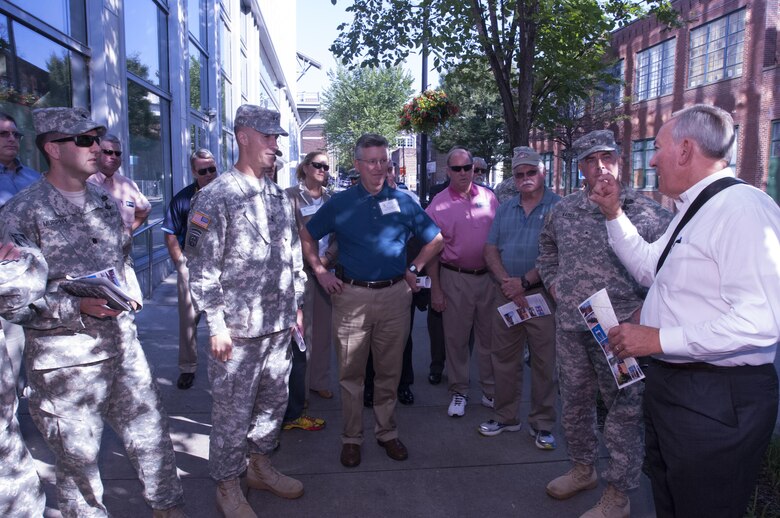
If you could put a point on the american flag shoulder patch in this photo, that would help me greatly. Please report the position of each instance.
(200, 219)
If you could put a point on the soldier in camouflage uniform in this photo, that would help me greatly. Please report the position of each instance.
(246, 275)
(575, 261)
(85, 365)
(22, 280)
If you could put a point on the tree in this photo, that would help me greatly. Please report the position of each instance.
(365, 100)
(479, 126)
(535, 48)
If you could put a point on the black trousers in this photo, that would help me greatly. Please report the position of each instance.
(706, 433)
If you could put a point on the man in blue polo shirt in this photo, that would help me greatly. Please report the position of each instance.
(372, 223)
(204, 170)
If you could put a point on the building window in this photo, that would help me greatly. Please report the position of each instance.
(612, 93)
(655, 71)
(405, 141)
(36, 71)
(643, 176)
(773, 179)
(148, 109)
(717, 49)
(547, 159)
(67, 16)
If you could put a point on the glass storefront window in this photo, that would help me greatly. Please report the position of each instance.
(196, 23)
(148, 122)
(198, 79)
(146, 42)
(68, 16)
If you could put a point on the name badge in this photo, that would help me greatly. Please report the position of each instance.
(309, 210)
(130, 203)
(389, 207)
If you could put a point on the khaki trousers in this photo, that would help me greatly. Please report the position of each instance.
(188, 320)
(318, 332)
(377, 320)
(507, 354)
(469, 303)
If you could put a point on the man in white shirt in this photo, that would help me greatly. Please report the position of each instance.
(133, 205)
(711, 321)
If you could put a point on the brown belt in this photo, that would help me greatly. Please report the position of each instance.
(373, 285)
(481, 271)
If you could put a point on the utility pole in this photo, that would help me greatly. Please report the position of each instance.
(423, 161)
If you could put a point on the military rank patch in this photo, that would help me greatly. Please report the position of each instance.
(193, 237)
(200, 219)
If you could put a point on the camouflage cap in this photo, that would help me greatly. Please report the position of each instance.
(599, 140)
(259, 119)
(68, 121)
(525, 155)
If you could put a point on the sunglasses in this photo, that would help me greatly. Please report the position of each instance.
(111, 152)
(206, 170)
(529, 174)
(459, 168)
(81, 140)
(480, 171)
(317, 165)
(15, 134)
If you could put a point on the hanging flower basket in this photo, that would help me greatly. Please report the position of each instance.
(426, 112)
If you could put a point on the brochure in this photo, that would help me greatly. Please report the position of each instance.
(514, 314)
(100, 285)
(600, 317)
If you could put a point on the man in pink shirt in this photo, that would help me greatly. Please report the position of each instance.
(460, 286)
(133, 206)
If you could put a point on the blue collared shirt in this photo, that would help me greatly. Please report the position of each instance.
(15, 178)
(372, 231)
(176, 216)
(517, 235)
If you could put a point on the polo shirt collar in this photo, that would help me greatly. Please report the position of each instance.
(473, 191)
(687, 197)
(385, 191)
(15, 168)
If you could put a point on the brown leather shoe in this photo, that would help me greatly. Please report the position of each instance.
(395, 449)
(324, 394)
(350, 455)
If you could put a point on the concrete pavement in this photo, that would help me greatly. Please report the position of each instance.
(452, 471)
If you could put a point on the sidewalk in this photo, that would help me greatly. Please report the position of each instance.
(452, 470)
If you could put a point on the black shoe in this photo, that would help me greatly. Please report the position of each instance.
(434, 378)
(368, 398)
(186, 379)
(405, 396)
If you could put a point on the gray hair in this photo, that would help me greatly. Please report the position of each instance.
(480, 163)
(200, 154)
(110, 137)
(369, 140)
(709, 126)
(458, 149)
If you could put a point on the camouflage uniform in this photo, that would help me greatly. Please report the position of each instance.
(246, 275)
(21, 494)
(82, 370)
(576, 259)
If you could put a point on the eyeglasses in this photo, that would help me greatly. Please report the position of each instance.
(373, 163)
(111, 152)
(317, 165)
(15, 134)
(529, 174)
(81, 140)
(459, 168)
(206, 170)
(479, 171)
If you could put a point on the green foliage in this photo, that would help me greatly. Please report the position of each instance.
(362, 101)
(535, 49)
(480, 125)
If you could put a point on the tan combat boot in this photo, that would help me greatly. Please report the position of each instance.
(613, 504)
(231, 502)
(261, 475)
(578, 478)
(171, 512)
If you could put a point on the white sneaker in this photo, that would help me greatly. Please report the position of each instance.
(487, 401)
(457, 405)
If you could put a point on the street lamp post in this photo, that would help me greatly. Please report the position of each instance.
(424, 137)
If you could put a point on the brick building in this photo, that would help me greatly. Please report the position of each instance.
(726, 54)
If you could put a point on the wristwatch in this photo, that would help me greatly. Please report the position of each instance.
(414, 270)
(524, 282)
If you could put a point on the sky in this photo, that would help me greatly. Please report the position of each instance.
(317, 22)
